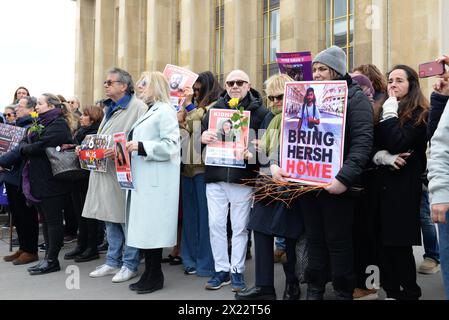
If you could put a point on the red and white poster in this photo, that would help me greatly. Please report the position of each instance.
(313, 130)
(232, 139)
(122, 162)
(92, 151)
(178, 79)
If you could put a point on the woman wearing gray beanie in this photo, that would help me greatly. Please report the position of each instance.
(328, 215)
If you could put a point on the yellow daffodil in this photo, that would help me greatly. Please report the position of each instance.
(34, 115)
(233, 103)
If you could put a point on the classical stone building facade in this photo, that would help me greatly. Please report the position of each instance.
(222, 35)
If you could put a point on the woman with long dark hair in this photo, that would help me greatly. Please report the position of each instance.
(400, 144)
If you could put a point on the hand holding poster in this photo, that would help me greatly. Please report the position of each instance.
(297, 65)
(313, 129)
(232, 140)
(10, 137)
(92, 151)
(178, 79)
(122, 162)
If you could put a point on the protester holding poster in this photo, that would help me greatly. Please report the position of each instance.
(328, 216)
(224, 185)
(86, 248)
(274, 218)
(25, 217)
(105, 199)
(196, 251)
(152, 206)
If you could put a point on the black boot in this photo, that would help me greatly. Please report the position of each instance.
(155, 279)
(75, 252)
(143, 278)
(315, 292)
(88, 255)
(256, 293)
(344, 287)
(47, 266)
(292, 291)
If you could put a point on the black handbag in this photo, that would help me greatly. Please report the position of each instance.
(65, 164)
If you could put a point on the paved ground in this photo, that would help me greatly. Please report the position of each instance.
(15, 283)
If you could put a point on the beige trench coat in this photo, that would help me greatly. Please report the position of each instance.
(105, 200)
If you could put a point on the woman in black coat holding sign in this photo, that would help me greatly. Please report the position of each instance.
(39, 186)
(328, 214)
(86, 249)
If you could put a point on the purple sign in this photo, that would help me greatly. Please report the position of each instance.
(297, 65)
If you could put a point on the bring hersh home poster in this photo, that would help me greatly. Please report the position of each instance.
(313, 130)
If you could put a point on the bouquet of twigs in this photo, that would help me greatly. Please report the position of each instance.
(268, 189)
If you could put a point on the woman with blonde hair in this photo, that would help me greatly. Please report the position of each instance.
(39, 186)
(270, 219)
(155, 167)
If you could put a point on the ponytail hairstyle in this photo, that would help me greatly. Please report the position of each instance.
(56, 102)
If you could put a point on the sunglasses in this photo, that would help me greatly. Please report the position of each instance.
(238, 82)
(10, 114)
(196, 89)
(279, 98)
(109, 82)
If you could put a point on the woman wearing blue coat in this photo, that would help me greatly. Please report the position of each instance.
(152, 207)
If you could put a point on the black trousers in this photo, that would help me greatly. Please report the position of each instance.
(263, 246)
(398, 270)
(25, 219)
(329, 221)
(87, 228)
(53, 227)
(70, 217)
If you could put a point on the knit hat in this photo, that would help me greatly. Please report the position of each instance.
(363, 80)
(333, 57)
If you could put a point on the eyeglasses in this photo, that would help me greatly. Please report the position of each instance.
(238, 82)
(279, 97)
(109, 82)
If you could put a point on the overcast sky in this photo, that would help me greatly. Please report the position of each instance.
(37, 47)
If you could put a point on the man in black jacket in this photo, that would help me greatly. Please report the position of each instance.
(224, 187)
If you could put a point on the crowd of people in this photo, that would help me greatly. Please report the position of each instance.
(371, 214)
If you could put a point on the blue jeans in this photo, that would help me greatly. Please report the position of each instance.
(196, 251)
(443, 230)
(280, 243)
(429, 232)
(118, 252)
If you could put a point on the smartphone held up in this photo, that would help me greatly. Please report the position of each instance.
(431, 69)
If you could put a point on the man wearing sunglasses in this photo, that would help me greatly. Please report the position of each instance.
(105, 200)
(225, 186)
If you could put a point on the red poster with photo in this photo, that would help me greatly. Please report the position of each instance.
(178, 79)
(122, 162)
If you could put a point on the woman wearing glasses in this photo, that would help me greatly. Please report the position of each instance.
(10, 114)
(155, 167)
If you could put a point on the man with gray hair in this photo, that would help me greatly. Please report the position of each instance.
(105, 200)
(225, 186)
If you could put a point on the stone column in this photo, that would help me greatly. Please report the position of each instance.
(104, 44)
(366, 17)
(161, 34)
(131, 36)
(242, 38)
(302, 25)
(196, 25)
(85, 33)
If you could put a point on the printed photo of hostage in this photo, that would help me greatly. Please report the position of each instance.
(179, 79)
(309, 115)
(122, 162)
(312, 139)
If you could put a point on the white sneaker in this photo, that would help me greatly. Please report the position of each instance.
(429, 266)
(124, 275)
(103, 270)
